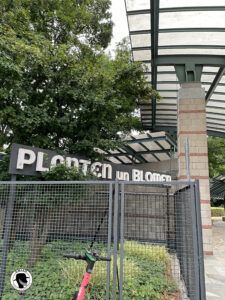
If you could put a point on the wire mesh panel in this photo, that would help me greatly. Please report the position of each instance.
(159, 247)
(148, 237)
(185, 240)
(47, 221)
(145, 214)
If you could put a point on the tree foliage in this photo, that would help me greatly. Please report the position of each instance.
(62, 172)
(216, 152)
(58, 89)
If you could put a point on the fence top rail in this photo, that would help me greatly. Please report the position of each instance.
(57, 182)
(148, 194)
(155, 183)
(158, 183)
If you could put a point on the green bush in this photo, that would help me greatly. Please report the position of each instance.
(147, 273)
(217, 211)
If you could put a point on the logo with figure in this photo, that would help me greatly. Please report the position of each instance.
(21, 280)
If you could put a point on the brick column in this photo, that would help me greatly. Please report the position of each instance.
(192, 124)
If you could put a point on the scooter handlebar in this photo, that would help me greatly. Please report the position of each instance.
(84, 257)
(75, 256)
(103, 258)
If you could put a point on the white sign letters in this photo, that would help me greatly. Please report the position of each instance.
(32, 161)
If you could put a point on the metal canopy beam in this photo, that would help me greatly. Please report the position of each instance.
(216, 107)
(216, 133)
(171, 141)
(166, 128)
(107, 159)
(219, 84)
(170, 30)
(173, 130)
(144, 140)
(219, 93)
(180, 47)
(147, 111)
(192, 8)
(158, 144)
(162, 151)
(215, 119)
(166, 30)
(214, 113)
(176, 9)
(124, 154)
(150, 139)
(134, 154)
(172, 91)
(216, 101)
(154, 52)
(153, 154)
(216, 81)
(206, 60)
(158, 104)
(173, 72)
(216, 129)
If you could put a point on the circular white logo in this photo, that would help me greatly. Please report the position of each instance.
(21, 280)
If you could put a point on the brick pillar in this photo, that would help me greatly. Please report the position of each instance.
(192, 124)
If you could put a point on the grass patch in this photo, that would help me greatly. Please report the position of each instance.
(74, 270)
(146, 251)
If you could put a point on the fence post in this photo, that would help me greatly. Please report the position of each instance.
(109, 239)
(195, 240)
(7, 233)
(187, 157)
(115, 239)
(168, 217)
(200, 242)
(121, 240)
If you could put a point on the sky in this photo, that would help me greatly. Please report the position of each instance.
(120, 29)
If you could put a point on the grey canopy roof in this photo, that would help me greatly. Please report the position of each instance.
(143, 148)
(189, 33)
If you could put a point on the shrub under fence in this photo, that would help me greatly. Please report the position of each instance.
(217, 211)
(57, 278)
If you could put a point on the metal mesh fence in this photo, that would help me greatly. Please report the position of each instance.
(184, 239)
(149, 230)
(47, 221)
(159, 245)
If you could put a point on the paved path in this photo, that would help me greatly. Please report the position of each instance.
(215, 265)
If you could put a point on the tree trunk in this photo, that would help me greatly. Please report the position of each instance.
(2, 219)
(39, 239)
(15, 222)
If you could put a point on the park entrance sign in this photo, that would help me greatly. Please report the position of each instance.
(26, 160)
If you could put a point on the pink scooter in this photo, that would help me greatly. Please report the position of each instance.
(90, 257)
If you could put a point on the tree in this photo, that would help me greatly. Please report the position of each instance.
(58, 88)
(216, 153)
